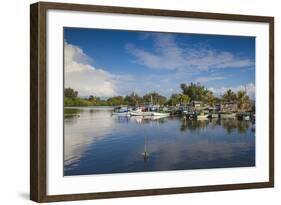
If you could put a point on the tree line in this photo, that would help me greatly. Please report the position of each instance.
(189, 93)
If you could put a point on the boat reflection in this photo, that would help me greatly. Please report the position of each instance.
(230, 125)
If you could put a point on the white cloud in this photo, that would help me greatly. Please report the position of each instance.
(205, 79)
(85, 78)
(81, 75)
(250, 89)
(170, 55)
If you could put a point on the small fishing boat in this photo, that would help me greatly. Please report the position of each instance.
(190, 115)
(214, 115)
(227, 115)
(161, 114)
(243, 116)
(202, 116)
(151, 110)
(121, 111)
(140, 113)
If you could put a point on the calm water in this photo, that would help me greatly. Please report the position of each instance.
(97, 143)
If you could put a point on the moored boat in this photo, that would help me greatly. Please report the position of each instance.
(227, 115)
(121, 111)
(162, 114)
(202, 116)
(214, 115)
(244, 116)
(140, 113)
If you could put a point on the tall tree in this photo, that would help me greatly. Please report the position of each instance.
(117, 100)
(229, 96)
(133, 99)
(194, 91)
(210, 98)
(179, 99)
(174, 99)
(154, 98)
(184, 99)
(242, 99)
(70, 93)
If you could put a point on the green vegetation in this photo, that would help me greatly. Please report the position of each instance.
(229, 96)
(179, 99)
(243, 99)
(70, 93)
(192, 92)
(196, 92)
(154, 98)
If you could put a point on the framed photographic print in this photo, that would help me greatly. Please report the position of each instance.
(134, 102)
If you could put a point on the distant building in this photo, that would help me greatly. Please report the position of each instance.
(196, 104)
(228, 107)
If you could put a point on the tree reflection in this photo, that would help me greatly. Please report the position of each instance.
(71, 113)
(193, 125)
(242, 126)
(230, 125)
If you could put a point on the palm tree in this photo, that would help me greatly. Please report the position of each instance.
(242, 98)
(229, 96)
(184, 99)
(210, 98)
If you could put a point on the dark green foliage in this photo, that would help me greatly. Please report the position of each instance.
(229, 96)
(192, 92)
(133, 99)
(179, 99)
(154, 98)
(70, 93)
(196, 92)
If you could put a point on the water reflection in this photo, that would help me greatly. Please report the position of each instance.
(97, 142)
(192, 125)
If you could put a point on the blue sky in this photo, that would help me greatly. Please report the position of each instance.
(112, 62)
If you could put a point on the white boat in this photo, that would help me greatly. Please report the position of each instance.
(161, 114)
(140, 113)
(215, 115)
(227, 115)
(246, 117)
(202, 116)
(121, 113)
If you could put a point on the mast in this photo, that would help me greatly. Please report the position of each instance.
(145, 153)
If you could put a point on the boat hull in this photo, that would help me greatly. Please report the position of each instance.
(161, 114)
(150, 114)
(141, 113)
(121, 113)
(228, 116)
(202, 117)
(215, 115)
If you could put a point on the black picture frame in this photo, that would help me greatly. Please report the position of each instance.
(38, 103)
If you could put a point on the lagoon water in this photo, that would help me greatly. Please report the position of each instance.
(96, 142)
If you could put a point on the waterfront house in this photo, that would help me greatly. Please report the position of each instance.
(196, 104)
(228, 107)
